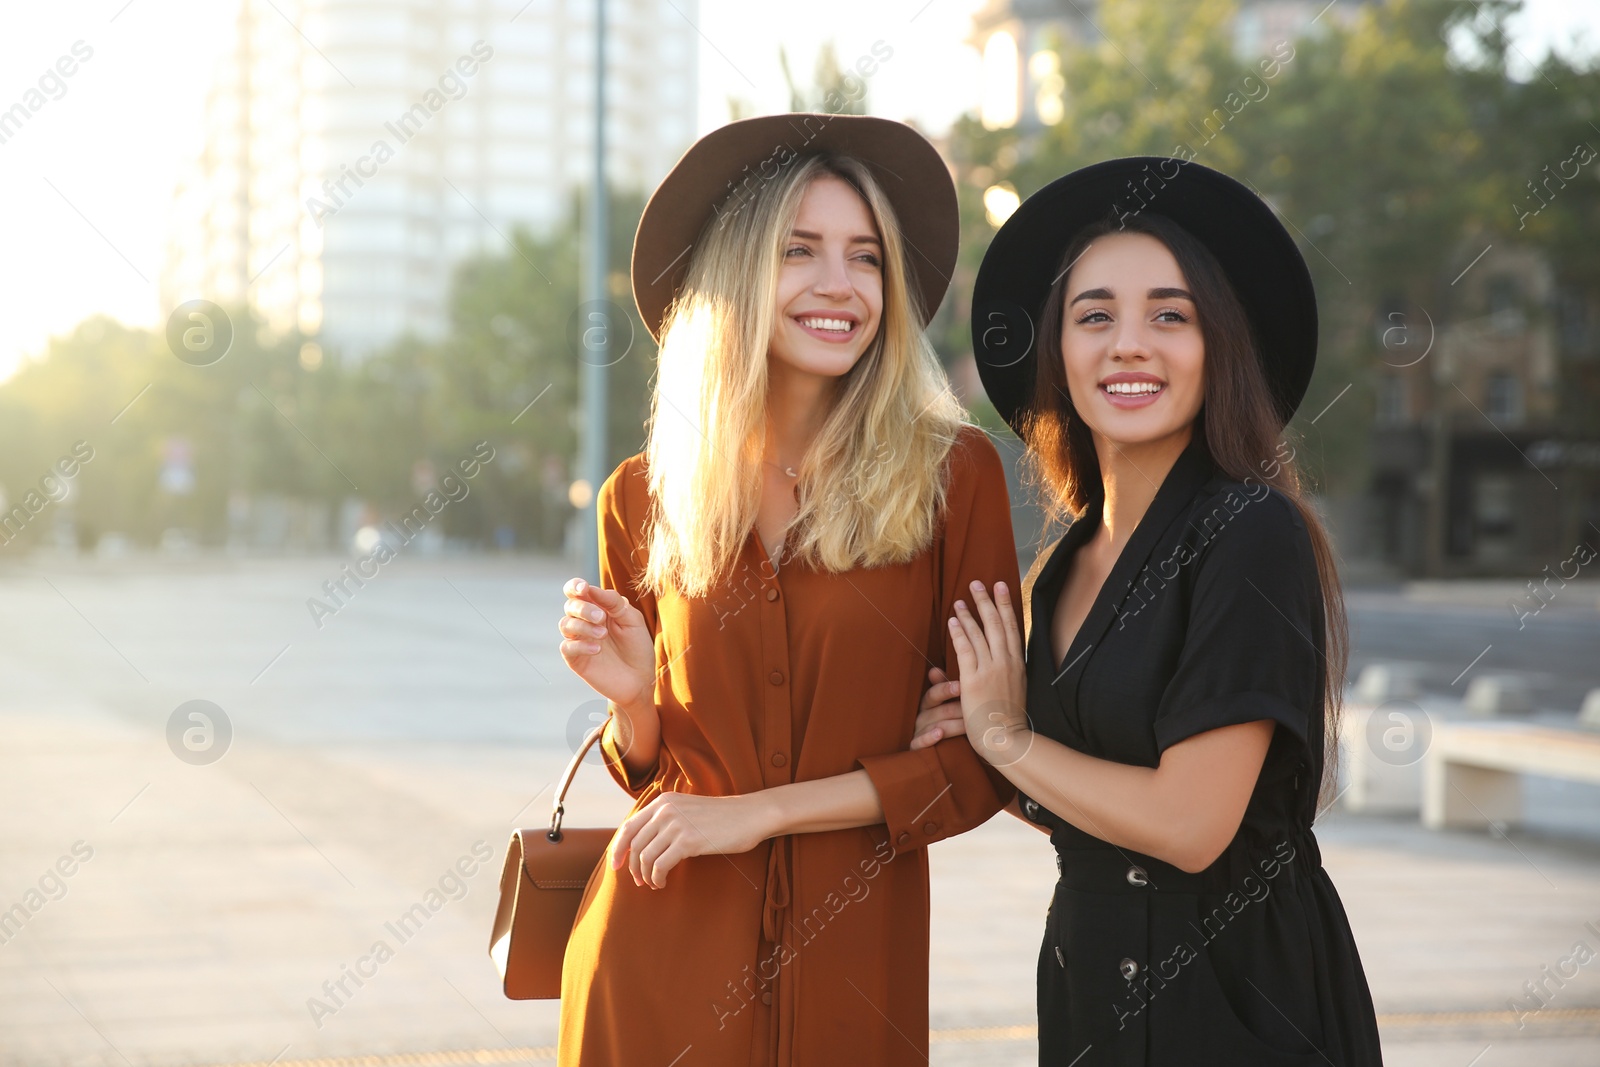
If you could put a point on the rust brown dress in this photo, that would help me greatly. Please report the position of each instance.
(810, 950)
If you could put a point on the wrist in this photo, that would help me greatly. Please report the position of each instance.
(635, 710)
(1003, 746)
(766, 811)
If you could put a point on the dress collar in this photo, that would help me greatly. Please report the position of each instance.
(1189, 473)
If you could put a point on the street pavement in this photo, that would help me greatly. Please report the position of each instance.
(211, 906)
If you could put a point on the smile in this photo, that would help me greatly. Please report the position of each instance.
(828, 329)
(1132, 394)
(831, 325)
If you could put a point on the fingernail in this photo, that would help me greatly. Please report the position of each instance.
(1000, 587)
(953, 624)
(579, 587)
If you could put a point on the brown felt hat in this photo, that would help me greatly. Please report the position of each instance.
(727, 167)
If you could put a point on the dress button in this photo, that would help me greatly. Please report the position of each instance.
(1129, 969)
(766, 998)
(1137, 876)
(903, 839)
(1030, 808)
(779, 759)
(772, 594)
(776, 677)
(930, 827)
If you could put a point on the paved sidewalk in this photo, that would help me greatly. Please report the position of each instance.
(374, 754)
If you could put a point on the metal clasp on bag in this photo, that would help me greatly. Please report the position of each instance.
(559, 808)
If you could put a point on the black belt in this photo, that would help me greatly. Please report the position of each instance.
(1109, 869)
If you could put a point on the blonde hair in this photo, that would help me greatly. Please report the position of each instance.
(872, 485)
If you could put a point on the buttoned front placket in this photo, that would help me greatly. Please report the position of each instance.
(774, 740)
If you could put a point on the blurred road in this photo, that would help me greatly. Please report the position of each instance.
(430, 713)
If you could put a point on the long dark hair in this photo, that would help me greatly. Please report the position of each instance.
(1238, 424)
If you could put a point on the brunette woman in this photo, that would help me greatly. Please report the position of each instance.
(1148, 327)
(776, 566)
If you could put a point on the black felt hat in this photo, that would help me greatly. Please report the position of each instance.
(1257, 254)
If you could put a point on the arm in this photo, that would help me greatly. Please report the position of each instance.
(609, 640)
(1184, 811)
(1250, 663)
(632, 741)
(675, 826)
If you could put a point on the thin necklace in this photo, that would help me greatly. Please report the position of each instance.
(790, 471)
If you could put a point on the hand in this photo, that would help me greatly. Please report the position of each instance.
(608, 644)
(674, 826)
(994, 686)
(940, 715)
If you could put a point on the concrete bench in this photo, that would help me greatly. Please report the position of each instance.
(1470, 771)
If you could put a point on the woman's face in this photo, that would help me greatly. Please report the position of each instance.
(830, 283)
(1130, 341)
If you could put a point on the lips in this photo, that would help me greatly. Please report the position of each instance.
(1127, 389)
(836, 327)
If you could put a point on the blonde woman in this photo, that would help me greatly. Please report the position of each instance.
(775, 569)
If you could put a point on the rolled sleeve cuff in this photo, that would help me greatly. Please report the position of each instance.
(634, 785)
(925, 800)
(1229, 709)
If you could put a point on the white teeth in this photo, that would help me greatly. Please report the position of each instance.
(836, 325)
(1132, 388)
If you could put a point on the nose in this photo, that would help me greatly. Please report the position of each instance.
(1128, 342)
(833, 280)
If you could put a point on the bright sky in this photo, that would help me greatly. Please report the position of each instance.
(88, 180)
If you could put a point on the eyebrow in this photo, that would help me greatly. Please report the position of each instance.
(860, 238)
(1162, 293)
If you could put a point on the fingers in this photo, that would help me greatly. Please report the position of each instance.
(997, 641)
(966, 655)
(941, 713)
(622, 840)
(935, 676)
(966, 626)
(651, 858)
(928, 737)
(609, 601)
(942, 693)
(1008, 620)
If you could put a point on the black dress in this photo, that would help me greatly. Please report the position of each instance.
(1211, 616)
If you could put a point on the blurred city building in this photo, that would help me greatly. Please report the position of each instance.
(1474, 469)
(356, 150)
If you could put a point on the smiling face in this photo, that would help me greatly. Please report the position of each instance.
(830, 284)
(1131, 344)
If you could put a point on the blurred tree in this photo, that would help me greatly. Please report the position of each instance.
(1391, 146)
(834, 90)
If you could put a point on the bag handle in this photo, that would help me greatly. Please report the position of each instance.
(559, 808)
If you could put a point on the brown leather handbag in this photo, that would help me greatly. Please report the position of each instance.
(541, 887)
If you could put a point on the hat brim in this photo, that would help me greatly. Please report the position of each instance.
(729, 164)
(1257, 254)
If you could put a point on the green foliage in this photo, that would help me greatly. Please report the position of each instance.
(1394, 149)
(259, 424)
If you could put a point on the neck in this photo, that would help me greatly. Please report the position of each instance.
(1130, 475)
(797, 406)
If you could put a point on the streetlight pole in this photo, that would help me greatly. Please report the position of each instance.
(596, 325)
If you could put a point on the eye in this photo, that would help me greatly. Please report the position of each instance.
(796, 248)
(1090, 315)
(869, 257)
(1177, 316)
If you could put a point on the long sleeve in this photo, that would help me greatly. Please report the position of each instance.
(947, 789)
(622, 556)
